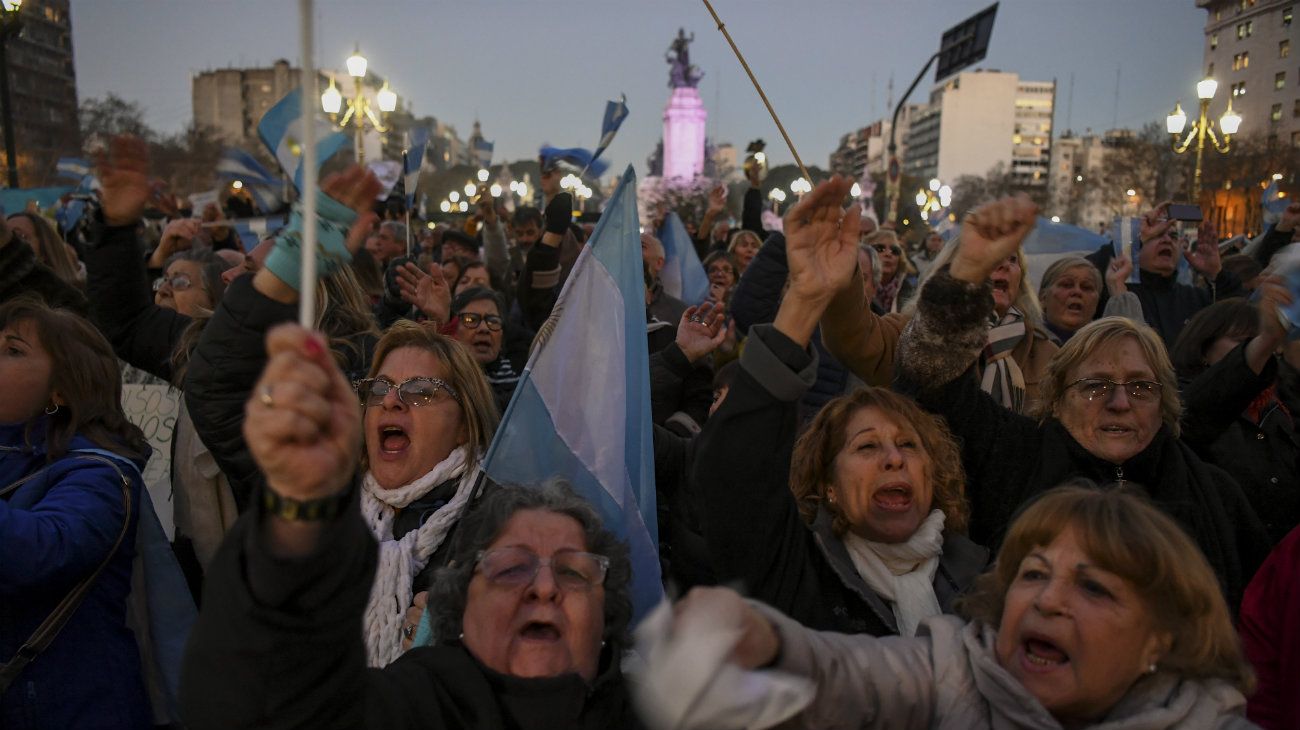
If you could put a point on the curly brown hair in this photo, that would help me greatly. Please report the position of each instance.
(812, 467)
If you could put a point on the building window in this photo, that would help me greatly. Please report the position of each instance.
(1214, 41)
(1241, 31)
(1279, 80)
(1275, 113)
(1250, 27)
(1286, 17)
(1240, 61)
(1239, 89)
(1295, 110)
(1284, 48)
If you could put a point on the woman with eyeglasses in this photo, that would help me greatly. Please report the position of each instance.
(897, 284)
(529, 614)
(479, 326)
(1109, 409)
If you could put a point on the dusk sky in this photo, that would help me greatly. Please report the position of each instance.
(537, 71)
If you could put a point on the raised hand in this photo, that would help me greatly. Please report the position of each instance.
(1155, 224)
(1117, 275)
(821, 242)
(1273, 295)
(303, 422)
(718, 199)
(758, 643)
(355, 187)
(429, 292)
(701, 330)
(990, 234)
(179, 235)
(1204, 257)
(124, 180)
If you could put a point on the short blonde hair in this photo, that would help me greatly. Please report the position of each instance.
(1124, 534)
(476, 400)
(1062, 265)
(1086, 341)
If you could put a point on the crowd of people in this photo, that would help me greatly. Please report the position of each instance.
(896, 476)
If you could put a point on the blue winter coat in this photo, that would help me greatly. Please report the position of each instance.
(54, 531)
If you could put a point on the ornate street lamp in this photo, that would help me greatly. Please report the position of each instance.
(1203, 127)
(359, 108)
(11, 25)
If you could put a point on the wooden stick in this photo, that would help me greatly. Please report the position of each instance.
(767, 103)
(307, 296)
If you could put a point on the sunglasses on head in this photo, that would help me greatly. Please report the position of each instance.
(472, 320)
(414, 392)
(881, 248)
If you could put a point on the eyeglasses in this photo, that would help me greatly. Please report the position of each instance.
(881, 248)
(1101, 389)
(471, 320)
(515, 567)
(179, 282)
(414, 392)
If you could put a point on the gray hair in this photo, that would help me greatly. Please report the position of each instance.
(870, 250)
(211, 267)
(398, 229)
(484, 523)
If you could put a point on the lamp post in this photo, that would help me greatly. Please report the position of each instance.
(359, 107)
(11, 25)
(1203, 127)
(933, 198)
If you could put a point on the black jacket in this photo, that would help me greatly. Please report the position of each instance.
(1255, 440)
(755, 301)
(753, 526)
(1166, 304)
(223, 369)
(1274, 241)
(680, 392)
(1010, 458)
(279, 645)
(142, 333)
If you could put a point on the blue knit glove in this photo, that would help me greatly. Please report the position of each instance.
(333, 221)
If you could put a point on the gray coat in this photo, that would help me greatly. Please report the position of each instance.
(949, 677)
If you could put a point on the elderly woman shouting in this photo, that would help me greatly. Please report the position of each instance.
(1109, 409)
(531, 612)
(1100, 613)
(862, 517)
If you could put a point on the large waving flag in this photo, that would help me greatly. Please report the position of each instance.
(412, 161)
(75, 168)
(281, 132)
(236, 164)
(1273, 204)
(683, 275)
(588, 419)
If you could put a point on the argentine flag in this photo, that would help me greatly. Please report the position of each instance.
(683, 275)
(1273, 204)
(75, 168)
(236, 164)
(281, 132)
(412, 161)
(615, 113)
(483, 152)
(582, 407)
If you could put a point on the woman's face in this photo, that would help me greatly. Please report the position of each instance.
(25, 369)
(405, 442)
(746, 247)
(541, 628)
(1072, 299)
(1115, 427)
(1073, 634)
(721, 272)
(889, 254)
(473, 276)
(882, 479)
(1006, 284)
(481, 340)
(182, 289)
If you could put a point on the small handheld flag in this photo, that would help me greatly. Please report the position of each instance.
(683, 275)
(281, 130)
(75, 168)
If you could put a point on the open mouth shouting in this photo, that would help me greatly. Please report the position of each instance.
(393, 442)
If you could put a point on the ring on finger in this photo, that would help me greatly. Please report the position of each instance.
(265, 397)
(408, 631)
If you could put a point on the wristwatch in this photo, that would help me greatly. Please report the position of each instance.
(300, 510)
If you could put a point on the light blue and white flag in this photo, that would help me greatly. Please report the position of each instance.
(582, 407)
(1273, 204)
(281, 132)
(388, 172)
(615, 113)
(75, 168)
(236, 164)
(1128, 243)
(252, 231)
(683, 275)
(412, 161)
(1060, 238)
(483, 152)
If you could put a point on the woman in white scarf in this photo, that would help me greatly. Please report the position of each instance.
(429, 417)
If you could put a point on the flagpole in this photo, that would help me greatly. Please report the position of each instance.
(766, 103)
(407, 195)
(307, 296)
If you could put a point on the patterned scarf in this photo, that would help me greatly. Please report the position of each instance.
(887, 293)
(1002, 377)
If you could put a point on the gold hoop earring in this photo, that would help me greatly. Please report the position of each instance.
(50, 412)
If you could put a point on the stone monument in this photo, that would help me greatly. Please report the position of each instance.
(684, 117)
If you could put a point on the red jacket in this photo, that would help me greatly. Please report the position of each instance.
(1270, 633)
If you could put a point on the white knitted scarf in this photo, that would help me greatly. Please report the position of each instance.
(400, 560)
(903, 573)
